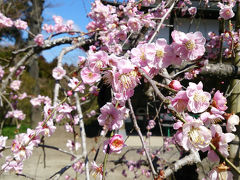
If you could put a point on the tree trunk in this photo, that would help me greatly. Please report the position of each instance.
(35, 23)
(234, 102)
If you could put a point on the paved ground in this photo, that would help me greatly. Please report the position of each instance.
(34, 167)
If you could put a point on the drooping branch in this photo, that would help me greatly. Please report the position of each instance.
(57, 149)
(83, 135)
(141, 138)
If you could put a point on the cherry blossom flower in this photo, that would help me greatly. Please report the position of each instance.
(15, 85)
(89, 77)
(214, 116)
(148, 2)
(1, 72)
(12, 165)
(22, 147)
(97, 61)
(195, 135)
(220, 173)
(72, 84)
(48, 28)
(164, 54)
(220, 140)
(5, 22)
(58, 73)
(175, 84)
(19, 24)
(134, 24)
(46, 129)
(143, 55)
(22, 96)
(79, 166)
(18, 114)
(180, 101)
(199, 100)
(219, 101)
(192, 11)
(73, 146)
(97, 170)
(68, 128)
(232, 121)
(39, 40)
(111, 117)
(114, 144)
(226, 11)
(188, 46)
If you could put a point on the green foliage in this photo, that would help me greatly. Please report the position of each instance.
(10, 131)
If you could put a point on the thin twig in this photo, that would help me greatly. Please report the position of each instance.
(161, 22)
(141, 138)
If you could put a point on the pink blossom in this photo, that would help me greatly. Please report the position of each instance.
(46, 129)
(79, 166)
(199, 100)
(97, 170)
(15, 85)
(148, 2)
(134, 24)
(212, 117)
(190, 46)
(36, 101)
(111, 117)
(97, 61)
(72, 84)
(180, 101)
(68, 128)
(39, 40)
(143, 55)
(220, 140)
(93, 112)
(58, 73)
(115, 144)
(192, 11)
(164, 54)
(57, 19)
(226, 11)
(22, 96)
(22, 147)
(5, 22)
(12, 165)
(1, 72)
(73, 146)
(34, 136)
(66, 108)
(89, 77)
(232, 121)
(18, 114)
(19, 24)
(175, 84)
(48, 28)
(220, 173)
(195, 135)
(219, 101)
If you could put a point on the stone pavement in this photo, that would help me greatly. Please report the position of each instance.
(34, 167)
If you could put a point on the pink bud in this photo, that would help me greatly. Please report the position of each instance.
(83, 98)
(174, 84)
(69, 93)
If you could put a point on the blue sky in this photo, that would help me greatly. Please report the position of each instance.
(75, 10)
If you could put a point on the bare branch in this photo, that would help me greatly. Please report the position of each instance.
(141, 138)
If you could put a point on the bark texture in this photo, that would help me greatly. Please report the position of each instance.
(35, 23)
